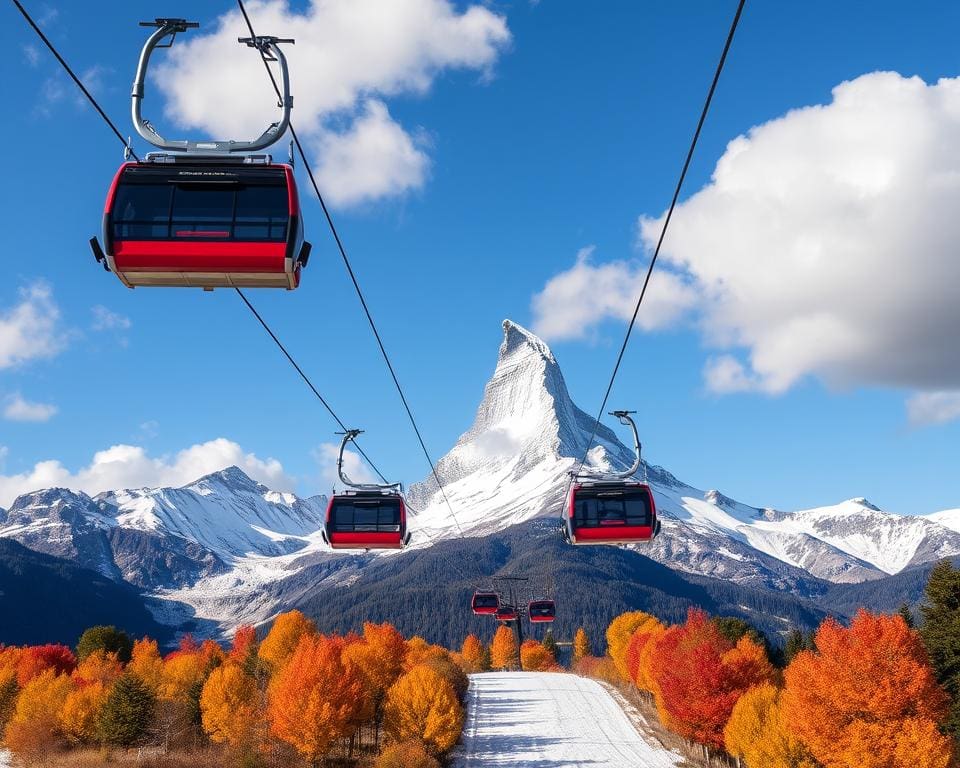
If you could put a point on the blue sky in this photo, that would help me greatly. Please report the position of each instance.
(514, 157)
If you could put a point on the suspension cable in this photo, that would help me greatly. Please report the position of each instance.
(356, 284)
(246, 301)
(663, 232)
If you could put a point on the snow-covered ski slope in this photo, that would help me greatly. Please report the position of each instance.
(550, 720)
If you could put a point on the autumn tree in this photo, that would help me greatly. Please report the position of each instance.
(451, 672)
(867, 697)
(315, 697)
(146, 663)
(423, 705)
(619, 632)
(98, 667)
(107, 640)
(33, 732)
(229, 706)
(36, 659)
(640, 656)
(379, 655)
(81, 711)
(244, 645)
(503, 649)
(284, 636)
(700, 675)
(126, 713)
(941, 634)
(471, 654)
(420, 651)
(406, 754)
(581, 645)
(8, 696)
(534, 657)
(757, 732)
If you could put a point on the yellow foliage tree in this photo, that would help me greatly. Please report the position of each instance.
(419, 651)
(379, 655)
(408, 754)
(78, 717)
(757, 732)
(229, 706)
(534, 657)
(315, 697)
(619, 632)
(471, 654)
(581, 645)
(34, 729)
(503, 649)
(181, 671)
(282, 639)
(146, 663)
(99, 667)
(423, 705)
(645, 642)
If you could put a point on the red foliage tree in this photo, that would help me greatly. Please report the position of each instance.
(39, 658)
(700, 675)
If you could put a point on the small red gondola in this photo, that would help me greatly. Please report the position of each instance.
(366, 520)
(506, 613)
(540, 611)
(210, 223)
(485, 603)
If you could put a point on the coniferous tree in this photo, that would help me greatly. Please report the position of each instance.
(127, 712)
(941, 634)
(907, 613)
(550, 643)
(797, 641)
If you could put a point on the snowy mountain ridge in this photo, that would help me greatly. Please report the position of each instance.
(227, 549)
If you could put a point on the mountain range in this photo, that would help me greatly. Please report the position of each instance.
(225, 549)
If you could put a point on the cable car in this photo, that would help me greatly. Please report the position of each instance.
(201, 214)
(611, 509)
(485, 603)
(506, 613)
(367, 516)
(540, 611)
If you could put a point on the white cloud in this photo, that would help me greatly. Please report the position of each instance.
(31, 328)
(930, 408)
(129, 466)
(375, 158)
(573, 302)
(349, 55)
(106, 320)
(825, 243)
(31, 53)
(17, 409)
(354, 467)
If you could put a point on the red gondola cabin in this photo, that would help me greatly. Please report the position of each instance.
(611, 512)
(506, 613)
(485, 603)
(204, 222)
(366, 520)
(540, 611)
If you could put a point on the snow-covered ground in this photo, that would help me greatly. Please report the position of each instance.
(5, 759)
(550, 720)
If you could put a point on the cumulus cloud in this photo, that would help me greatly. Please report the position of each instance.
(129, 466)
(30, 329)
(825, 243)
(573, 302)
(106, 320)
(349, 55)
(353, 465)
(930, 408)
(16, 408)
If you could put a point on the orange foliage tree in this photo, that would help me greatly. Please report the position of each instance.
(581, 645)
(34, 729)
(471, 654)
(181, 671)
(867, 697)
(757, 732)
(315, 697)
(419, 651)
(284, 636)
(423, 705)
(534, 657)
(641, 655)
(146, 663)
(619, 632)
(407, 754)
(379, 655)
(229, 706)
(503, 649)
(98, 667)
(78, 717)
(699, 676)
